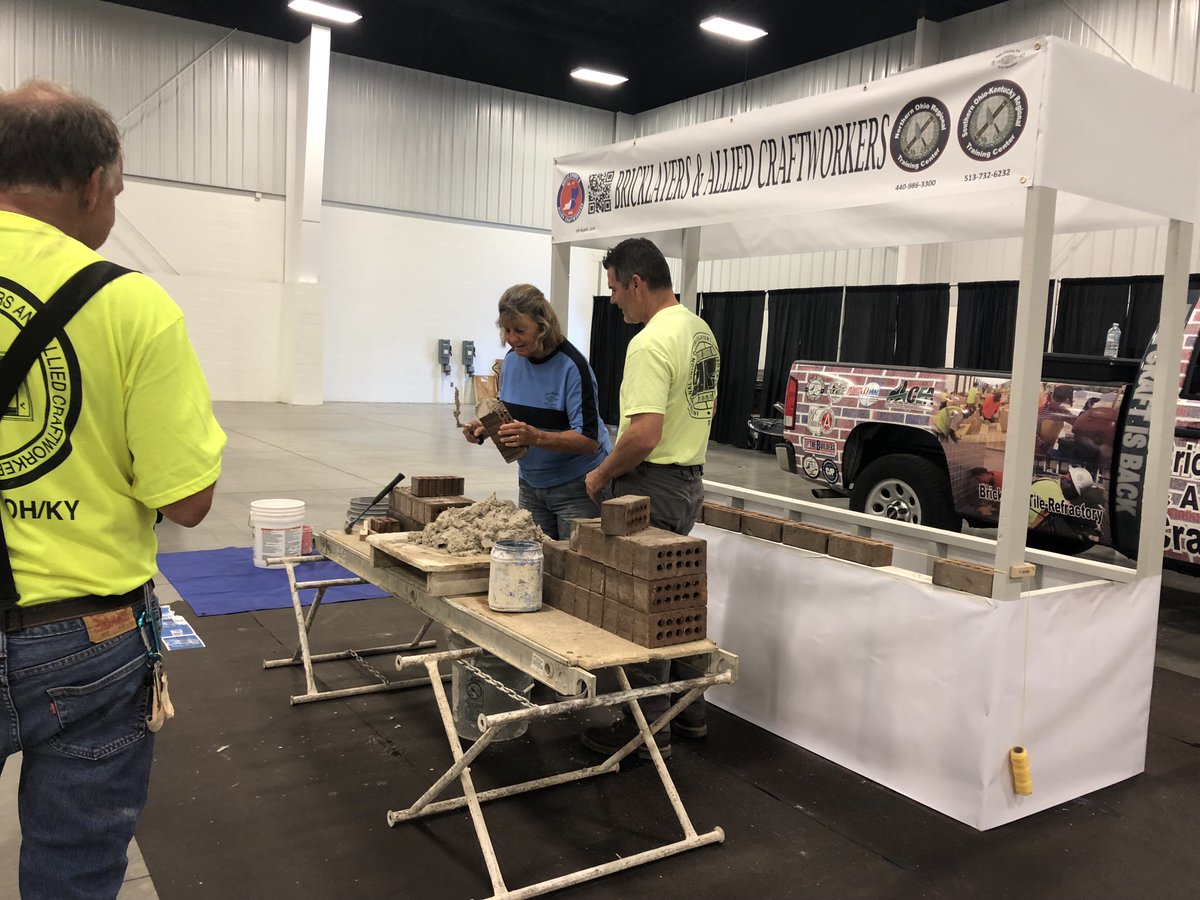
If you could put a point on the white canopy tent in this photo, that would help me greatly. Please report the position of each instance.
(1032, 139)
(1027, 140)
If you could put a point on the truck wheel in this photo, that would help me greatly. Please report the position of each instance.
(906, 488)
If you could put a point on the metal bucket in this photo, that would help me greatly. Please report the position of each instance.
(471, 695)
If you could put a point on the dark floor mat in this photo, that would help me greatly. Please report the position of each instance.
(252, 797)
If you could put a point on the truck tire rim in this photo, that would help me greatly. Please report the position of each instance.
(894, 499)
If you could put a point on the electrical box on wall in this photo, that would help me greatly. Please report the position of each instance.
(445, 348)
(468, 357)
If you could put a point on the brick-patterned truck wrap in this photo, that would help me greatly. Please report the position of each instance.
(927, 445)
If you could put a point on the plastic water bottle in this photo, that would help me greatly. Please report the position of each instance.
(1112, 343)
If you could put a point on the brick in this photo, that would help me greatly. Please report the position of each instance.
(568, 601)
(576, 535)
(552, 591)
(570, 567)
(426, 509)
(612, 615)
(807, 537)
(590, 575)
(625, 515)
(589, 540)
(401, 501)
(553, 554)
(381, 525)
(971, 578)
(758, 525)
(665, 629)
(590, 606)
(722, 517)
(654, 553)
(860, 550)
(437, 485)
(661, 595)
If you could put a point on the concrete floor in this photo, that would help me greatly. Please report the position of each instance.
(329, 454)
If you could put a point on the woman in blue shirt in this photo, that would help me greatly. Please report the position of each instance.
(550, 390)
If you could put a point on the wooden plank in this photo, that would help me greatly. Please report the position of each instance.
(356, 545)
(433, 570)
(571, 640)
(428, 559)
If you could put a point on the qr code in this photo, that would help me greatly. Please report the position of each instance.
(599, 196)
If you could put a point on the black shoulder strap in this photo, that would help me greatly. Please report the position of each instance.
(47, 324)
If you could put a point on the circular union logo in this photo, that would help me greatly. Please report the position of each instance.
(813, 389)
(570, 198)
(992, 120)
(920, 134)
(829, 470)
(836, 390)
(39, 419)
(812, 468)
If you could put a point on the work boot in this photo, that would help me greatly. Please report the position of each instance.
(611, 739)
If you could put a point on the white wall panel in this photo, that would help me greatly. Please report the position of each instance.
(196, 103)
(406, 140)
(394, 284)
(220, 255)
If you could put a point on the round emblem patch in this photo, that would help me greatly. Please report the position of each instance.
(992, 120)
(920, 134)
(811, 467)
(570, 198)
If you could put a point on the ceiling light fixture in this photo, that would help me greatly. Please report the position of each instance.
(730, 29)
(605, 78)
(325, 11)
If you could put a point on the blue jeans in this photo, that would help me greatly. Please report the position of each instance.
(77, 711)
(555, 508)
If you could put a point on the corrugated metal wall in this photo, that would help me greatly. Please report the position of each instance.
(203, 105)
(196, 103)
(408, 140)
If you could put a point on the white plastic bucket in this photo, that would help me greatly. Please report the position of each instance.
(515, 576)
(278, 529)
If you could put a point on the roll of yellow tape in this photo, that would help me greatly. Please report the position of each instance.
(1018, 761)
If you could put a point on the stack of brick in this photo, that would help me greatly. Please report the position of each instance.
(644, 584)
(426, 498)
(861, 550)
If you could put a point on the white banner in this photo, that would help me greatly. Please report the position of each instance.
(962, 126)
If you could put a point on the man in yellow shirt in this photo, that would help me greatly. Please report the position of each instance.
(111, 425)
(668, 394)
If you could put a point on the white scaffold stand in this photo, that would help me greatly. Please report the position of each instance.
(561, 652)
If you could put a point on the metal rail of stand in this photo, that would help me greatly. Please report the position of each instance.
(304, 656)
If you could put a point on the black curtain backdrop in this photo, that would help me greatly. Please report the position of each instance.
(736, 320)
(986, 326)
(1087, 307)
(922, 318)
(801, 324)
(610, 339)
(869, 333)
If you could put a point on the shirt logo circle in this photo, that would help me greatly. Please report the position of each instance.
(41, 415)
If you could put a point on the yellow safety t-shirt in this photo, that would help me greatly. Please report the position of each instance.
(671, 368)
(113, 422)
